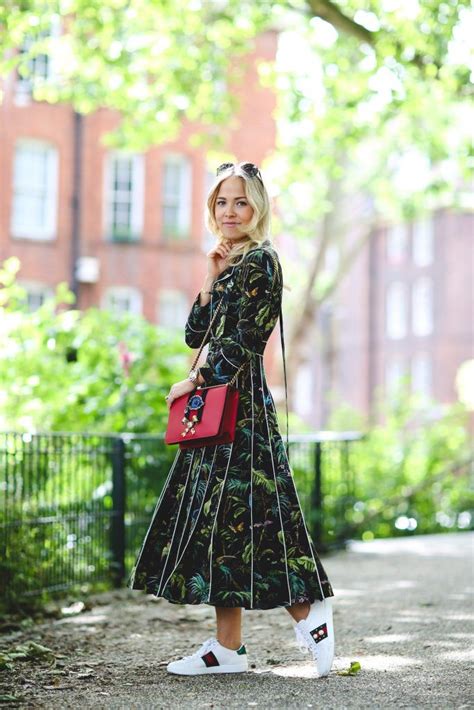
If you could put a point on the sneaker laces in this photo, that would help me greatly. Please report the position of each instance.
(305, 641)
(206, 646)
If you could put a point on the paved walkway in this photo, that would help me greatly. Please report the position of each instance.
(403, 611)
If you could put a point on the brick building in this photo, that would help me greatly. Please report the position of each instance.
(406, 307)
(124, 230)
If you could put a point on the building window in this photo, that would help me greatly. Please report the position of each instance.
(35, 190)
(173, 309)
(123, 299)
(176, 197)
(124, 197)
(394, 374)
(396, 310)
(304, 383)
(421, 374)
(422, 306)
(36, 69)
(423, 242)
(397, 240)
(35, 294)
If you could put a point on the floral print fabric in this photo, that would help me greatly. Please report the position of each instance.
(228, 529)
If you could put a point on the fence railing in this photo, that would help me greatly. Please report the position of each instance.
(74, 507)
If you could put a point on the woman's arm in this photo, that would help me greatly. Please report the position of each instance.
(258, 313)
(199, 317)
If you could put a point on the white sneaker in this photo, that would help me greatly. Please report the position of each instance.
(316, 634)
(211, 657)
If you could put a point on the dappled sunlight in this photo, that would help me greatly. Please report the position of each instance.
(463, 655)
(421, 546)
(85, 619)
(378, 662)
(387, 662)
(388, 638)
(290, 671)
(459, 617)
(395, 584)
(341, 593)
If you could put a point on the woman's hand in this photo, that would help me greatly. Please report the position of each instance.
(178, 389)
(217, 258)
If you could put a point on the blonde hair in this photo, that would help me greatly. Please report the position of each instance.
(258, 229)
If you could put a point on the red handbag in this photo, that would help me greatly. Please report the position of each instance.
(204, 417)
(207, 415)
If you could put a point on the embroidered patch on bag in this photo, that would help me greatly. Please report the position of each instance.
(210, 659)
(320, 633)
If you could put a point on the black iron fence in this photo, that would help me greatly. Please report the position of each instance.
(74, 507)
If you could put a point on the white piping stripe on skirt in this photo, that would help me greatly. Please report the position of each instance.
(276, 484)
(160, 498)
(215, 519)
(251, 493)
(176, 523)
(178, 551)
(302, 515)
(195, 522)
(236, 367)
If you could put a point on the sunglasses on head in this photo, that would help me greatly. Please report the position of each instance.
(249, 169)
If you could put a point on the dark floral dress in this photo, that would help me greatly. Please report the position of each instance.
(228, 528)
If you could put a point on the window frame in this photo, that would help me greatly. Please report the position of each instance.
(400, 332)
(183, 200)
(47, 231)
(136, 201)
(134, 294)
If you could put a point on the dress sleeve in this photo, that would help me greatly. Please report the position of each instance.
(258, 312)
(197, 323)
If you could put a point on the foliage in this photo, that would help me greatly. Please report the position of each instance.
(410, 473)
(371, 100)
(71, 371)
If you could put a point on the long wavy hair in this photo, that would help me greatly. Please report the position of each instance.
(258, 229)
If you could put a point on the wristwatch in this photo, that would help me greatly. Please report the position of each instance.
(193, 375)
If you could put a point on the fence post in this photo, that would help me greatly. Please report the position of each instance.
(317, 496)
(117, 530)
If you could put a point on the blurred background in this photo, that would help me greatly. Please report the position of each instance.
(114, 116)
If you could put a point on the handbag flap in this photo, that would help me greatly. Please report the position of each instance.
(211, 420)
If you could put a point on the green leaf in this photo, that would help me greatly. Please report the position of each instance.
(353, 669)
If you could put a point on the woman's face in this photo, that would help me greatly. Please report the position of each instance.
(232, 210)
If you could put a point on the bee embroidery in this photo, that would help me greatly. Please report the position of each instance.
(252, 293)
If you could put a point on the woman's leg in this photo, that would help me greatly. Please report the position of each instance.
(229, 626)
(299, 611)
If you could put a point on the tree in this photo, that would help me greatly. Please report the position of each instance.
(63, 370)
(371, 90)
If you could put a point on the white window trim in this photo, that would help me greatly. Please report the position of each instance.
(396, 243)
(422, 322)
(138, 193)
(178, 300)
(393, 329)
(184, 197)
(423, 251)
(133, 294)
(37, 287)
(417, 365)
(24, 86)
(49, 231)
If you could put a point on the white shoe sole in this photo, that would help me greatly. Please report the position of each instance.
(204, 671)
(325, 660)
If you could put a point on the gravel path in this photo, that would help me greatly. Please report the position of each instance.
(403, 610)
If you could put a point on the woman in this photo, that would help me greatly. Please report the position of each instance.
(228, 529)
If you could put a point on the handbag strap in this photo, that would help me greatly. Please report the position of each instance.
(286, 385)
(204, 341)
(282, 337)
